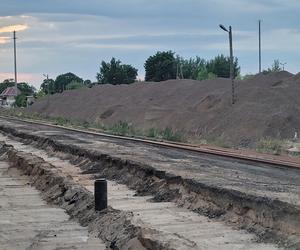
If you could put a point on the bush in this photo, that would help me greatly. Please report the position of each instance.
(166, 134)
(270, 145)
(121, 128)
(21, 101)
(153, 133)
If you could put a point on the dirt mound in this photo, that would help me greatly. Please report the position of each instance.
(267, 105)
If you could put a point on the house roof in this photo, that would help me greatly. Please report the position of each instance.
(10, 91)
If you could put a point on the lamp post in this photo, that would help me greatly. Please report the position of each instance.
(231, 59)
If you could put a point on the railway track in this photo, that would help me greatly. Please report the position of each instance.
(259, 193)
(282, 161)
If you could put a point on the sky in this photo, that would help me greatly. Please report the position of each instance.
(59, 36)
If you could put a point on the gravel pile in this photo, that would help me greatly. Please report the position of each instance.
(268, 105)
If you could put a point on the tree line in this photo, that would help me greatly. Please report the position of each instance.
(161, 66)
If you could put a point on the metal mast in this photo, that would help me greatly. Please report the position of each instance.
(15, 62)
(259, 45)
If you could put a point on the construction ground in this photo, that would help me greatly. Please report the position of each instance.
(160, 196)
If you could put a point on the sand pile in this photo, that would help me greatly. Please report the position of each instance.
(267, 105)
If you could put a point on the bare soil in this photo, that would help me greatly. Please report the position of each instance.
(235, 197)
(268, 105)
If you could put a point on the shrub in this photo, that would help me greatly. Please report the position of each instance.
(270, 145)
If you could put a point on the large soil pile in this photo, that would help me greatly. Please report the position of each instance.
(267, 106)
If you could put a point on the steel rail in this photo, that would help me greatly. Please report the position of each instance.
(230, 153)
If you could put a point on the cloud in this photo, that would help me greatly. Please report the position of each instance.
(4, 39)
(33, 78)
(64, 35)
(11, 28)
(115, 46)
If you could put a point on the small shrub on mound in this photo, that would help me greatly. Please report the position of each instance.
(270, 145)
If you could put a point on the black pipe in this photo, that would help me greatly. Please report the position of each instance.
(100, 194)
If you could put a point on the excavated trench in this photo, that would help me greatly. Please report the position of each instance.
(271, 220)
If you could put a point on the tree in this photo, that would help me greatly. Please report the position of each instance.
(5, 84)
(21, 100)
(160, 67)
(39, 94)
(88, 83)
(63, 80)
(220, 66)
(48, 86)
(26, 89)
(189, 68)
(203, 74)
(114, 72)
(75, 85)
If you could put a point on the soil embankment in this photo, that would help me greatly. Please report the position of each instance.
(267, 106)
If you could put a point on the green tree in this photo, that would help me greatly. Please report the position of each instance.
(39, 94)
(63, 80)
(88, 83)
(203, 74)
(189, 68)
(220, 66)
(26, 89)
(21, 100)
(5, 84)
(48, 86)
(75, 85)
(114, 72)
(160, 67)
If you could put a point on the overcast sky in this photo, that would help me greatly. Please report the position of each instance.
(59, 36)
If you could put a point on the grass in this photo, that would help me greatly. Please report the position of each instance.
(121, 128)
(170, 135)
(166, 134)
(270, 145)
(265, 145)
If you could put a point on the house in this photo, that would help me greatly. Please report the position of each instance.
(8, 96)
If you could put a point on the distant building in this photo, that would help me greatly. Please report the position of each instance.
(8, 96)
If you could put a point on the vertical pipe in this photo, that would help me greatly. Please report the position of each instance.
(259, 45)
(231, 65)
(15, 62)
(100, 194)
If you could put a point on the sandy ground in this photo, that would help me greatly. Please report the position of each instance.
(28, 222)
(267, 106)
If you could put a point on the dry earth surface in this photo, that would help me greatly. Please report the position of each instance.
(235, 195)
(28, 222)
